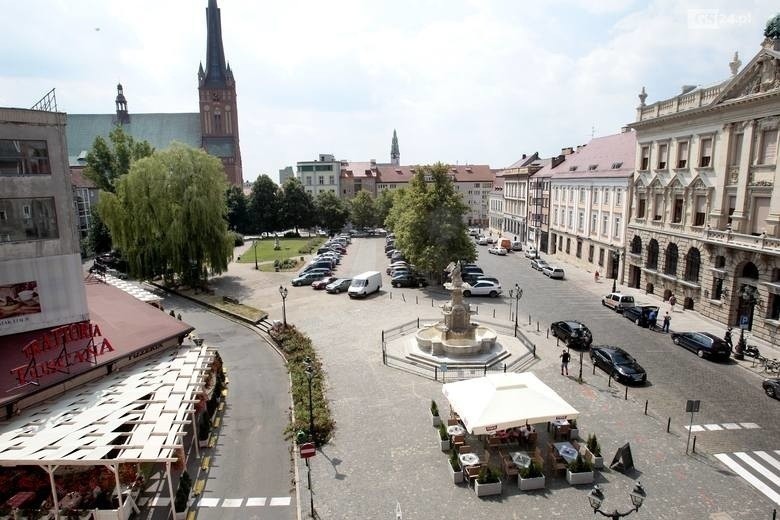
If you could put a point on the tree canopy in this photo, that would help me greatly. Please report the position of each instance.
(427, 219)
(107, 163)
(237, 211)
(168, 215)
(332, 212)
(297, 205)
(363, 213)
(265, 206)
(382, 205)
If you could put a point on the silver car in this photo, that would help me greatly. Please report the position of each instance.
(553, 271)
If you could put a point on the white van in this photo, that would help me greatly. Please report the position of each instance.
(364, 284)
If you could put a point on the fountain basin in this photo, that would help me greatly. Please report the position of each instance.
(434, 340)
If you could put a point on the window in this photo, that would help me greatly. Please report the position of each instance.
(592, 167)
(732, 206)
(606, 196)
(306, 168)
(717, 288)
(572, 168)
(579, 249)
(700, 213)
(760, 214)
(652, 254)
(556, 194)
(555, 218)
(658, 207)
(330, 179)
(636, 245)
(663, 154)
(692, 265)
(774, 307)
(601, 256)
(670, 262)
(616, 228)
(20, 157)
(308, 180)
(617, 165)
(604, 224)
(682, 154)
(28, 219)
(596, 196)
(618, 197)
(736, 150)
(568, 246)
(571, 194)
(641, 207)
(705, 159)
(677, 211)
(321, 178)
(581, 221)
(593, 222)
(582, 195)
(645, 161)
(768, 147)
(476, 185)
(323, 167)
(590, 253)
(571, 217)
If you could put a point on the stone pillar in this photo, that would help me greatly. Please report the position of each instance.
(773, 220)
(739, 216)
(721, 164)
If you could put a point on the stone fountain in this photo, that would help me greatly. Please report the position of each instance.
(456, 335)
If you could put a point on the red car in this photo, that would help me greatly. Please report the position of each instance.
(320, 284)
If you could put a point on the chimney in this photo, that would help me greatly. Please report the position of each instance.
(624, 129)
(373, 163)
(558, 160)
(523, 156)
(567, 150)
(581, 146)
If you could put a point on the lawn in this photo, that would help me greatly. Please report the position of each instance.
(290, 248)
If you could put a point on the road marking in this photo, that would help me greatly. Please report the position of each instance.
(252, 502)
(731, 426)
(208, 502)
(720, 427)
(749, 425)
(713, 427)
(280, 501)
(754, 472)
(232, 502)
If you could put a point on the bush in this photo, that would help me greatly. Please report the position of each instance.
(454, 461)
(183, 493)
(434, 408)
(532, 471)
(580, 465)
(488, 475)
(443, 432)
(593, 445)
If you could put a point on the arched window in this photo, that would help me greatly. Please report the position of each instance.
(652, 254)
(670, 264)
(636, 245)
(750, 271)
(720, 262)
(692, 265)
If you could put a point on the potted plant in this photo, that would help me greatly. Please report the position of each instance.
(531, 477)
(435, 419)
(574, 432)
(444, 439)
(580, 471)
(181, 503)
(594, 449)
(455, 470)
(487, 482)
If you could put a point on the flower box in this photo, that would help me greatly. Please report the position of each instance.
(435, 420)
(443, 444)
(491, 488)
(456, 474)
(529, 484)
(576, 479)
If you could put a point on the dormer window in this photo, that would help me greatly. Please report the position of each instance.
(592, 167)
(617, 165)
(572, 168)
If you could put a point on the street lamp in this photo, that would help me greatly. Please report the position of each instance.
(748, 295)
(516, 293)
(596, 497)
(283, 294)
(254, 247)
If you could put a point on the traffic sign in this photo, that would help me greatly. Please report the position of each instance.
(744, 322)
(307, 450)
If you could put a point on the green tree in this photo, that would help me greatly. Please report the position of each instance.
(237, 210)
(168, 215)
(332, 213)
(382, 205)
(362, 212)
(428, 221)
(399, 200)
(265, 206)
(99, 237)
(297, 205)
(108, 161)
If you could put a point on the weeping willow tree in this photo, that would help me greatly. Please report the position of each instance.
(168, 216)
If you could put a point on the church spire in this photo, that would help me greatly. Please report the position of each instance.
(122, 116)
(216, 70)
(395, 152)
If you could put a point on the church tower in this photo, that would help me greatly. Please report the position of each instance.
(395, 153)
(218, 107)
(122, 116)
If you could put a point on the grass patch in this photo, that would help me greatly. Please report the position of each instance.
(239, 309)
(290, 247)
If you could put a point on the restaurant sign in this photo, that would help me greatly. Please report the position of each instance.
(58, 349)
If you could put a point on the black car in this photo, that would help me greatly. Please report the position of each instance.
(772, 387)
(619, 363)
(640, 314)
(703, 343)
(408, 280)
(573, 333)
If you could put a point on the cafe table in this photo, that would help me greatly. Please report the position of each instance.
(468, 459)
(520, 459)
(566, 450)
(456, 429)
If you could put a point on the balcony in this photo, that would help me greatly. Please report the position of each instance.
(741, 241)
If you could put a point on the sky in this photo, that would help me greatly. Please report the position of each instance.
(462, 81)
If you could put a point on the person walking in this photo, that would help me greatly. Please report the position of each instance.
(596, 277)
(565, 358)
(651, 319)
(667, 321)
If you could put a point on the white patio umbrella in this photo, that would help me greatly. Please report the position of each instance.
(502, 401)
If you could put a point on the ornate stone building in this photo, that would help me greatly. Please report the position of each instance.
(705, 221)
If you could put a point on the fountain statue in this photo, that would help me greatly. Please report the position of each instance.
(456, 335)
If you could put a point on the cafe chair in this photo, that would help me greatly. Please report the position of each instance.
(531, 439)
(452, 422)
(557, 464)
(563, 432)
(510, 469)
(472, 472)
(458, 440)
(465, 448)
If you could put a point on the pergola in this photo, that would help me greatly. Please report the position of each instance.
(130, 416)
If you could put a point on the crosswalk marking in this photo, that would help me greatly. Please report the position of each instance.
(757, 469)
(232, 502)
(721, 427)
(239, 502)
(250, 502)
(208, 502)
(280, 501)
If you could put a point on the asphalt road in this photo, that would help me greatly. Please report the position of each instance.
(728, 392)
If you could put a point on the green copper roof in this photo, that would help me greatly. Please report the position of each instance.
(159, 129)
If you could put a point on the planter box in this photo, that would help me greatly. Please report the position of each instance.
(576, 479)
(444, 444)
(598, 462)
(435, 420)
(529, 484)
(457, 475)
(483, 490)
(182, 515)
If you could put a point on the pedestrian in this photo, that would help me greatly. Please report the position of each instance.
(672, 301)
(651, 319)
(596, 277)
(727, 338)
(565, 358)
(667, 320)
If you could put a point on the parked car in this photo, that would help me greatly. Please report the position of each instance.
(481, 288)
(322, 271)
(772, 387)
(572, 332)
(395, 265)
(496, 250)
(531, 252)
(408, 280)
(617, 301)
(471, 277)
(639, 314)
(703, 343)
(553, 271)
(307, 278)
(397, 257)
(538, 264)
(488, 278)
(482, 241)
(320, 284)
(404, 269)
(339, 285)
(517, 245)
(619, 363)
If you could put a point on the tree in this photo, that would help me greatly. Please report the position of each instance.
(99, 237)
(331, 212)
(265, 206)
(168, 215)
(382, 205)
(428, 221)
(106, 164)
(237, 211)
(297, 205)
(363, 213)
(399, 199)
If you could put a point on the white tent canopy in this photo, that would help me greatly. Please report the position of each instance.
(502, 401)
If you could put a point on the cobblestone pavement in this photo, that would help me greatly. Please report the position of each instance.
(385, 454)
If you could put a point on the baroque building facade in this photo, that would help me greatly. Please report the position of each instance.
(705, 220)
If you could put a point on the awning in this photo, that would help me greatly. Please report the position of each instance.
(502, 401)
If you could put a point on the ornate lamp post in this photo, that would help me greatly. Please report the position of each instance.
(283, 294)
(516, 293)
(254, 247)
(596, 497)
(748, 295)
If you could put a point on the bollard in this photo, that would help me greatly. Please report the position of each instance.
(383, 335)
(484, 370)
(391, 294)
(609, 381)
(548, 333)
(537, 325)
(431, 301)
(594, 369)
(533, 347)
(557, 339)
(774, 514)
(494, 313)
(476, 311)
(693, 449)
(435, 373)
(416, 301)
(529, 319)
(668, 424)
(505, 368)
(418, 322)
(403, 297)
(645, 406)
(626, 397)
